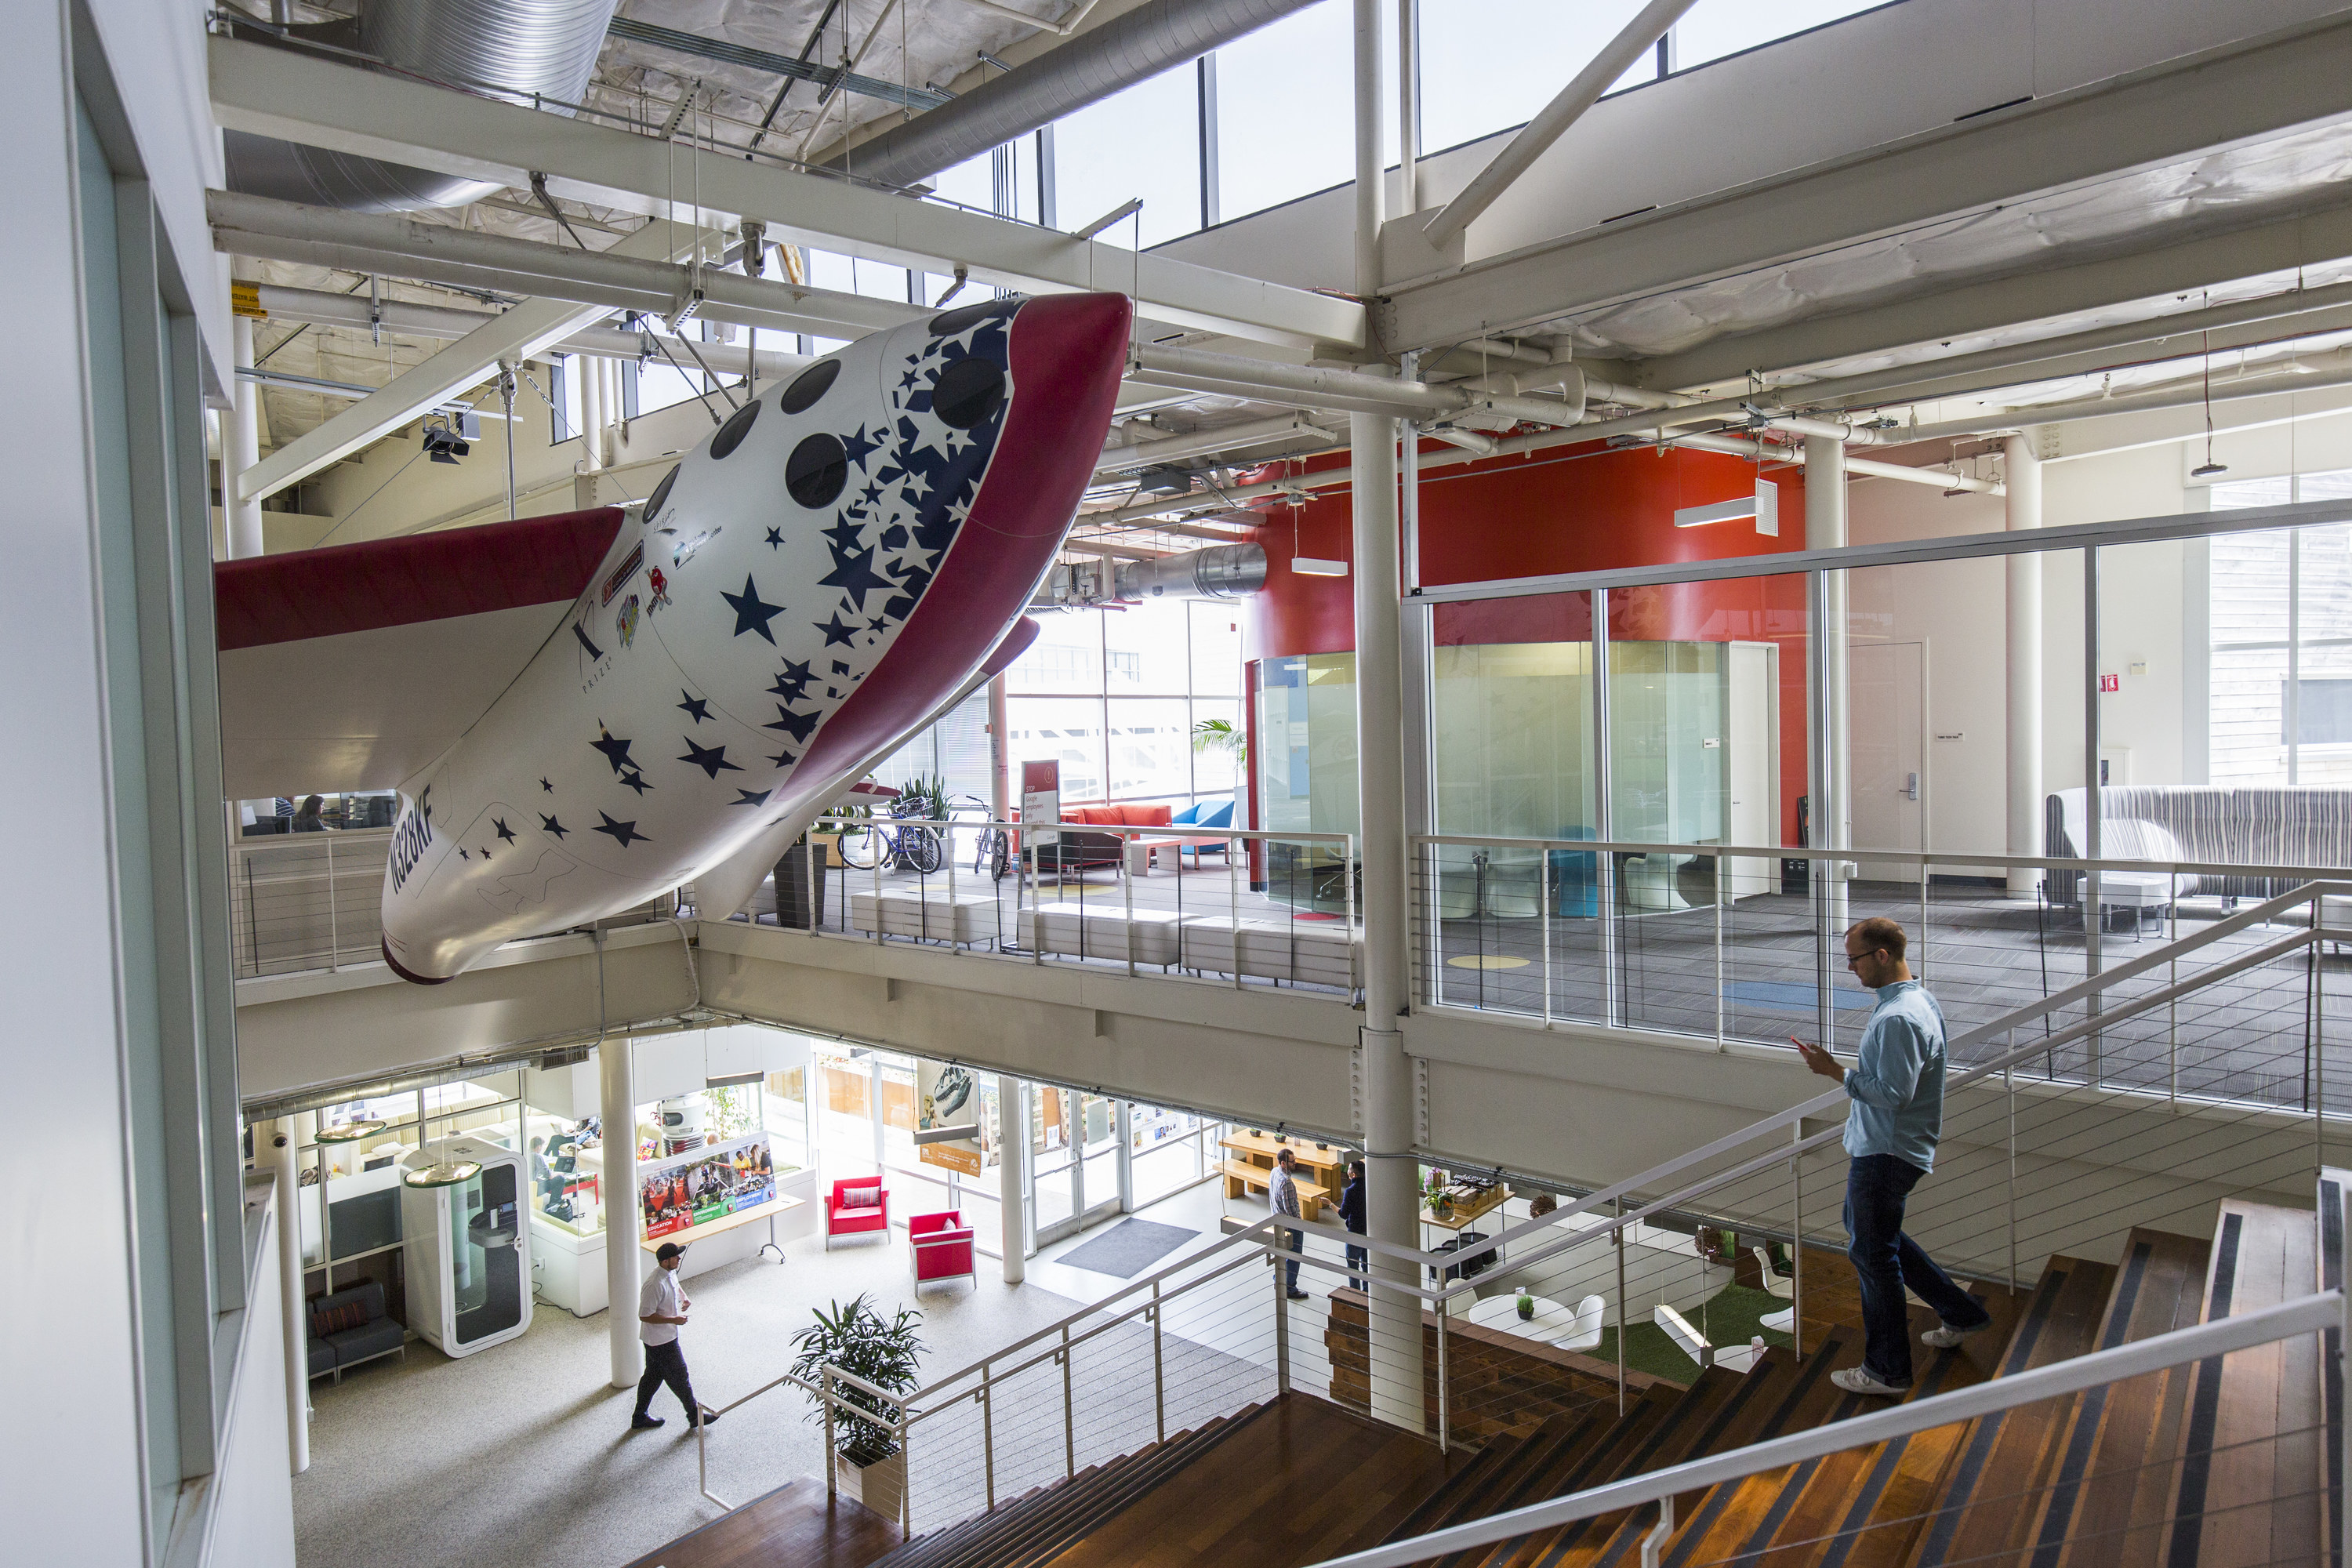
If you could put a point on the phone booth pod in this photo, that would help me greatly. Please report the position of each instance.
(469, 1252)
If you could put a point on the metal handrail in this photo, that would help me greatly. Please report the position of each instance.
(2243, 870)
(2308, 1314)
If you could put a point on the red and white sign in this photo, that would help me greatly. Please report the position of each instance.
(2111, 683)
(1041, 795)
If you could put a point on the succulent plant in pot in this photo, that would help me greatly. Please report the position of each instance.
(856, 1339)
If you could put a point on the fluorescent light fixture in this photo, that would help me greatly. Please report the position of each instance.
(733, 1078)
(1315, 566)
(948, 1134)
(1764, 506)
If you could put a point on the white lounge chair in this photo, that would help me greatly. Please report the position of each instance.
(1784, 1321)
(1590, 1314)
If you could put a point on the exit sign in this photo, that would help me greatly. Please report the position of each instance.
(2111, 683)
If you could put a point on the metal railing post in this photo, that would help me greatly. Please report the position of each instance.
(1282, 1314)
(1797, 1237)
(1722, 1045)
(1234, 850)
(1655, 1542)
(832, 1454)
(1158, 1370)
(1069, 1427)
(1619, 1236)
(1445, 1411)
(1127, 891)
(334, 934)
(2009, 1081)
(904, 1432)
(1543, 913)
(988, 1433)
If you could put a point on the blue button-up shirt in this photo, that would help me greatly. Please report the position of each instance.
(1896, 1083)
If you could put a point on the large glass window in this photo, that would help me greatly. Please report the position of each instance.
(1116, 696)
(2280, 619)
(1713, 29)
(1471, 88)
(1284, 125)
(1144, 142)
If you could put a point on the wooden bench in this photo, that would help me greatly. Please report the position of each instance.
(1242, 1178)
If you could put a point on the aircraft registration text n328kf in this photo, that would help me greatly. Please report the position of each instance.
(848, 555)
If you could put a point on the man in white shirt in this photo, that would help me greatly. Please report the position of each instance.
(662, 1307)
(1282, 1196)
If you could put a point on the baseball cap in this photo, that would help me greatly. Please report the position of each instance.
(667, 1250)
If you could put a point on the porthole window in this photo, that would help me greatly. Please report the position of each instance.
(967, 391)
(655, 502)
(808, 386)
(738, 425)
(817, 471)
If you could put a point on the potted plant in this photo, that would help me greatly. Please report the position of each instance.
(868, 1462)
(1225, 735)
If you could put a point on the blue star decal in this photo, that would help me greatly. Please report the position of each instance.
(752, 613)
(636, 781)
(860, 446)
(796, 725)
(834, 632)
(775, 539)
(710, 759)
(547, 786)
(852, 572)
(503, 830)
(752, 797)
(622, 833)
(783, 759)
(549, 824)
(792, 683)
(697, 705)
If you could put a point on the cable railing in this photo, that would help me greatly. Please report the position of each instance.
(1254, 908)
(1700, 1256)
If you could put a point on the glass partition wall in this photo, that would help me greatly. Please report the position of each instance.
(1907, 730)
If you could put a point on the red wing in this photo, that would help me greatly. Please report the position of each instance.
(355, 667)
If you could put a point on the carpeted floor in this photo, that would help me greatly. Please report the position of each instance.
(520, 1456)
(1730, 1317)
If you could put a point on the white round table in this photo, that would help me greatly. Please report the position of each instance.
(1551, 1322)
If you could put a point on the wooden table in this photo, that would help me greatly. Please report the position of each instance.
(1553, 1321)
(1329, 1167)
(1467, 1210)
(767, 1211)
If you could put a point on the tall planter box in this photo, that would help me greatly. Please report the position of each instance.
(881, 1486)
(800, 897)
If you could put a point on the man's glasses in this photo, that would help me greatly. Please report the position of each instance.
(1854, 957)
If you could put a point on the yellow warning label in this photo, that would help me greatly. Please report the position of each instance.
(244, 299)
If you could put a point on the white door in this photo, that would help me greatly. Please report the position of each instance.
(1888, 681)
(1752, 725)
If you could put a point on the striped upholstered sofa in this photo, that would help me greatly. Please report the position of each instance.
(2282, 826)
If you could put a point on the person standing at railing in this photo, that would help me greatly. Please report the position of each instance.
(1282, 1196)
(1351, 1215)
(1896, 1087)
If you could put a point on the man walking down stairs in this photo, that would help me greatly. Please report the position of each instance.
(1896, 1118)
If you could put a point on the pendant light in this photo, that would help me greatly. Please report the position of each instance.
(2208, 468)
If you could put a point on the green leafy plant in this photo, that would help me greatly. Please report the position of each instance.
(1222, 735)
(857, 1339)
(924, 798)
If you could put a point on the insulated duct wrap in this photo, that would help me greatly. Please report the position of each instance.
(528, 49)
(1219, 571)
(1153, 37)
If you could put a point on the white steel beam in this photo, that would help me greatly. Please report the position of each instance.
(529, 329)
(277, 92)
(2234, 95)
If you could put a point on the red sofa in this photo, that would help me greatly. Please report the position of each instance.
(841, 1219)
(942, 1247)
(1077, 851)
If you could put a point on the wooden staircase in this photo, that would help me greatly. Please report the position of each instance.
(2218, 1465)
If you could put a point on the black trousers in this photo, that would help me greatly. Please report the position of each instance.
(667, 1364)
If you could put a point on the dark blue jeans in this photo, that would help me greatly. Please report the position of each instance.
(1296, 1241)
(1886, 1260)
(1359, 1260)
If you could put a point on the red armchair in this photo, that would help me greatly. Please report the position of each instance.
(844, 1218)
(942, 1247)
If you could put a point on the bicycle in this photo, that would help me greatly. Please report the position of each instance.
(911, 845)
(994, 854)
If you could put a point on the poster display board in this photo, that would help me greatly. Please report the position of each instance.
(1041, 796)
(706, 1183)
(948, 1096)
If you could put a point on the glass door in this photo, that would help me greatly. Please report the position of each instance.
(487, 1257)
(1055, 1197)
(1100, 1162)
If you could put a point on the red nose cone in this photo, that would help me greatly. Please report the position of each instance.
(1068, 352)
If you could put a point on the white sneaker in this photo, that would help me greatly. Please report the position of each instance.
(1945, 1337)
(1857, 1380)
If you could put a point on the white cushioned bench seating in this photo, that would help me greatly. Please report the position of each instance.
(1314, 953)
(926, 913)
(1101, 931)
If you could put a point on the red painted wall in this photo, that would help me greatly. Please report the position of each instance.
(1571, 509)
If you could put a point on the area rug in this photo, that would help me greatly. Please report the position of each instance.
(1794, 997)
(1128, 1249)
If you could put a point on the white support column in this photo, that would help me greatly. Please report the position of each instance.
(999, 782)
(280, 1148)
(242, 452)
(1013, 1175)
(2022, 474)
(1832, 811)
(1123, 1128)
(591, 374)
(1391, 1206)
(618, 1107)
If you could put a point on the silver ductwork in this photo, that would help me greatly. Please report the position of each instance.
(1153, 37)
(1219, 571)
(528, 49)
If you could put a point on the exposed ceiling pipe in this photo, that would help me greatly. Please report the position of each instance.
(1223, 438)
(1220, 571)
(2182, 396)
(1063, 28)
(1794, 455)
(1155, 36)
(1554, 119)
(528, 49)
(1347, 389)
